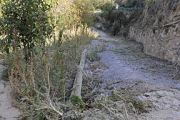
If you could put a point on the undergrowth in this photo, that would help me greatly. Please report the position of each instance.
(149, 3)
(43, 83)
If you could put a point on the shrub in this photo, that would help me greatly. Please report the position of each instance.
(43, 82)
(24, 24)
(106, 8)
(149, 3)
(116, 27)
(93, 56)
(130, 3)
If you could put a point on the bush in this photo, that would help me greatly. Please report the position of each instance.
(25, 27)
(106, 8)
(116, 27)
(43, 82)
(149, 3)
(5, 74)
(99, 3)
(93, 56)
(130, 3)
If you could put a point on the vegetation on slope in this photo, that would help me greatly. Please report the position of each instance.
(43, 40)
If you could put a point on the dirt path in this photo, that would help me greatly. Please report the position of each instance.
(7, 112)
(158, 81)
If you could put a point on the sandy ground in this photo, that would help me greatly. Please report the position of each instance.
(7, 112)
(158, 81)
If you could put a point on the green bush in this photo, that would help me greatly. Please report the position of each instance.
(130, 3)
(149, 3)
(25, 27)
(116, 27)
(5, 74)
(106, 8)
(97, 4)
(93, 56)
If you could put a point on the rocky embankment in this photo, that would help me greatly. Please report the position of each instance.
(158, 29)
(157, 26)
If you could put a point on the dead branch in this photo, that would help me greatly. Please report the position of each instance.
(172, 23)
(131, 86)
(104, 87)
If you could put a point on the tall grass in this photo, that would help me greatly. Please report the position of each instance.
(44, 82)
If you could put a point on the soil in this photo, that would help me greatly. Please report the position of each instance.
(154, 80)
(7, 111)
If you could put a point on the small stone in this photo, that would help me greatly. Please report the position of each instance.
(146, 95)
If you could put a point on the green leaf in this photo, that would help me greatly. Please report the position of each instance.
(34, 29)
(37, 50)
(77, 100)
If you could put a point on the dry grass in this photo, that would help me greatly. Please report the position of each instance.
(43, 82)
(113, 107)
(120, 105)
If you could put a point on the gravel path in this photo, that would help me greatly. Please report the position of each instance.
(126, 61)
(7, 112)
(157, 78)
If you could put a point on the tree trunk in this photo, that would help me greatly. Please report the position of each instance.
(55, 20)
(15, 40)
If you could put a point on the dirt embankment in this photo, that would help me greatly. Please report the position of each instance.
(157, 26)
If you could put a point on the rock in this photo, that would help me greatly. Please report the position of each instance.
(103, 28)
(161, 42)
(166, 105)
(98, 25)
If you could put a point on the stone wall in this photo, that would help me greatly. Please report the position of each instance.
(159, 43)
(161, 39)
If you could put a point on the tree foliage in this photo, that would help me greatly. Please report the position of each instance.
(71, 13)
(24, 24)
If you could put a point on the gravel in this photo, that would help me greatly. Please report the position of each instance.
(158, 80)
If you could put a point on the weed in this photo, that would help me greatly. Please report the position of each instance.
(5, 74)
(42, 82)
(117, 105)
(116, 27)
(149, 3)
(93, 56)
(77, 100)
(160, 18)
(121, 51)
(100, 48)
